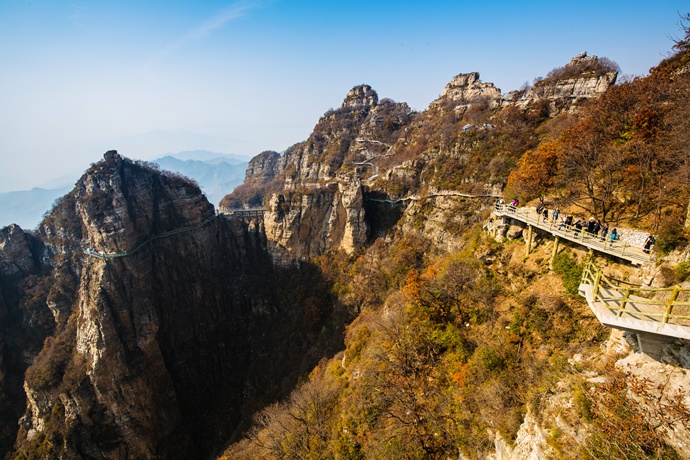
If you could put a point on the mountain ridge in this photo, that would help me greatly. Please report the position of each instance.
(349, 320)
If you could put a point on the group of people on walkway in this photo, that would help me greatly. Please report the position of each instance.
(593, 227)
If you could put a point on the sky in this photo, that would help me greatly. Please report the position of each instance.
(147, 78)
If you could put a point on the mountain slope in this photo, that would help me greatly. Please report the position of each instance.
(157, 353)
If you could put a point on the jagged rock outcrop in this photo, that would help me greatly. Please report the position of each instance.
(15, 254)
(467, 87)
(302, 226)
(264, 167)
(158, 341)
(579, 80)
(322, 206)
(148, 353)
(360, 97)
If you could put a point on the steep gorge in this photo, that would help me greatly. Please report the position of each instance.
(154, 354)
(239, 331)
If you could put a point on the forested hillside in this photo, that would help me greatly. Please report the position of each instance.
(463, 346)
(370, 302)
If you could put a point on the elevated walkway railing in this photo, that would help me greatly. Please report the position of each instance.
(618, 304)
(113, 255)
(621, 249)
(242, 212)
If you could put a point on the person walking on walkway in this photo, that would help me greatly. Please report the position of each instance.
(555, 214)
(578, 226)
(597, 227)
(590, 225)
(648, 244)
(614, 235)
(545, 215)
(604, 232)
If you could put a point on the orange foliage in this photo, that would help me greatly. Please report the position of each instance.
(535, 172)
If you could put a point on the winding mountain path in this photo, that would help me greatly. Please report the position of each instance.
(431, 195)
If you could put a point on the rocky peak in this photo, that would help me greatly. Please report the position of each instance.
(15, 255)
(582, 78)
(263, 166)
(362, 96)
(581, 58)
(120, 201)
(468, 87)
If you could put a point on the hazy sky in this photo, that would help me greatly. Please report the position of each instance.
(146, 78)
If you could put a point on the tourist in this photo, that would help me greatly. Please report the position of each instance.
(545, 215)
(578, 226)
(604, 232)
(614, 235)
(648, 243)
(590, 225)
(556, 212)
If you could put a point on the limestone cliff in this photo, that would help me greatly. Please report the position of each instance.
(151, 349)
(300, 226)
(313, 192)
(582, 78)
(465, 89)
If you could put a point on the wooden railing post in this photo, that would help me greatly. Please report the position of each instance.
(669, 304)
(625, 300)
(556, 240)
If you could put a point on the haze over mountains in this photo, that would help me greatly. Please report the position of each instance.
(216, 173)
(374, 309)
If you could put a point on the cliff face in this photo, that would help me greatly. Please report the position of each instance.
(301, 226)
(146, 355)
(314, 191)
(576, 83)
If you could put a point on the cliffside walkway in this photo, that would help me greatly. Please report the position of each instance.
(657, 315)
(431, 195)
(251, 212)
(620, 249)
(113, 255)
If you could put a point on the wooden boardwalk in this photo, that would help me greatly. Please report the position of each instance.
(620, 249)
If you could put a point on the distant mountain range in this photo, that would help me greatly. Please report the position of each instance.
(216, 173)
(27, 207)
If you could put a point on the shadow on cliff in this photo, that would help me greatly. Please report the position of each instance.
(381, 214)
(301, 324)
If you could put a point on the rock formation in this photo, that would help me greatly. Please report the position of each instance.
(314, 191)
(467, 87)
(144, 355)
(579, 80)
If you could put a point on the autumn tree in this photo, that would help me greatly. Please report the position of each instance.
(535, 172)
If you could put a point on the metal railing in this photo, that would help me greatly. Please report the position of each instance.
(606, 245)
(113, 255)
(639, 301)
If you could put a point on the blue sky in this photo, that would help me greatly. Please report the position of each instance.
(147, 78)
